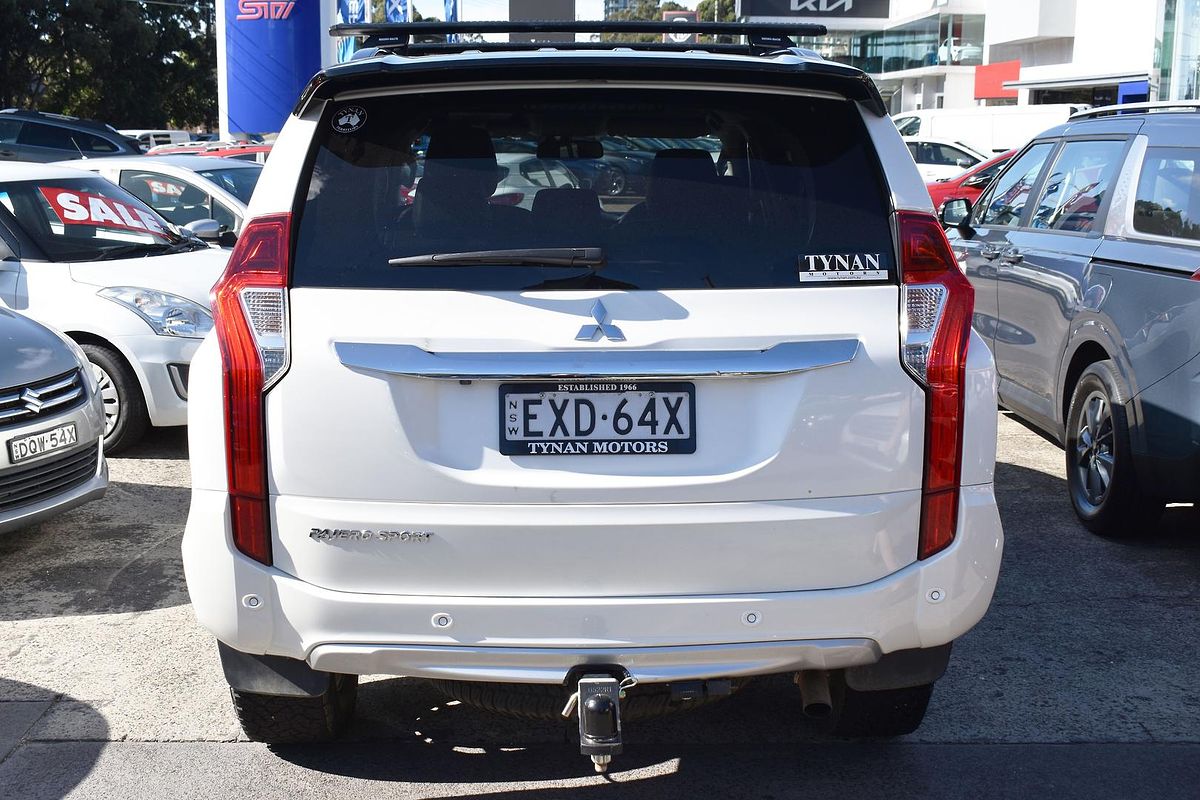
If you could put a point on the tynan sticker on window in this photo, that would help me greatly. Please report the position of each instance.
(81, 208)
(842, 267)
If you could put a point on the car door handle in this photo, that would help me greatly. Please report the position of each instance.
(989, 252)
(1012, 257)
(8, 153)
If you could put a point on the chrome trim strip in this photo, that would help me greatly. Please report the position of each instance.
(413, 362)
(551, 665)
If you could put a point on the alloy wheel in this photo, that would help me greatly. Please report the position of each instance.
(1095, 457)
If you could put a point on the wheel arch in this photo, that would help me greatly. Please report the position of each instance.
(1088, 352)
(87, 337)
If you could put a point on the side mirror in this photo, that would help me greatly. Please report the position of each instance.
(227, 239)
(965, 163)
(955, 212)
(978, 181)
(207, 229)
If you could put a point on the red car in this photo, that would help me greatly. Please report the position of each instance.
(970, 184)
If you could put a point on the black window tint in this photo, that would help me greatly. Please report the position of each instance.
(728, 190)
(38, 134)
(224, 217)
(93, 144)
(1076, 186)
(1006, 201)
(947, 156)
(9, 128)
(1168, 193)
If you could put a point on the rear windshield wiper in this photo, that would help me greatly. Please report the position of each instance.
(527, 256)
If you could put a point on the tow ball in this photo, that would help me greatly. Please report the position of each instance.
(598, 698)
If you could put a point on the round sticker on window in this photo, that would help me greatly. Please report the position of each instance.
(349, 119)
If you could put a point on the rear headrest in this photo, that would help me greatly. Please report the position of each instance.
(684, 165)
(567, 203)
(460, 142)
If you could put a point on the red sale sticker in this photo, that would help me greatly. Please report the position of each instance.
(164, 188)
(82, 208)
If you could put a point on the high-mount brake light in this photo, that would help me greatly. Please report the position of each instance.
(936, 329)
(249, 305)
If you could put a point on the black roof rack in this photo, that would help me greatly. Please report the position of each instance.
(399, 37)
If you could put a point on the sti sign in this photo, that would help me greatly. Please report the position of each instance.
(266, 52)
(819, 10)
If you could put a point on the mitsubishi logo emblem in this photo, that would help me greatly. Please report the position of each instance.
(603, 329)
(33, 401)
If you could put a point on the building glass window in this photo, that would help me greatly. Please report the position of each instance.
(937, 40)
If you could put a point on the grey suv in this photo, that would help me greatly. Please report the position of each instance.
(37, 136)
(1084, 256)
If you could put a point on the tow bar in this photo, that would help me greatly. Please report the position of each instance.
(598, 698)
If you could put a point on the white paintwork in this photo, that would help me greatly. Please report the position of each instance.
(935, 172)
(181, 167)
(63, 295)
(903, 178)
(987, 129)
(801, 504)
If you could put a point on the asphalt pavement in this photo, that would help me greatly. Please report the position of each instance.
(1082, 681)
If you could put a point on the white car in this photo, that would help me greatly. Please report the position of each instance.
(186, 189)
(939, 159)
(154, 138)
(550, 462)
(93, 261)
(956, 51)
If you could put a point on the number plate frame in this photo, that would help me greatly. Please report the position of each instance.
(679, 446)
(12, 443)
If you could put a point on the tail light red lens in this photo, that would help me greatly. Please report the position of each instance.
(507, 199)
(249, 314)
(939, 301)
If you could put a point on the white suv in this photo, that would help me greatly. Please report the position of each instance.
(739, 428)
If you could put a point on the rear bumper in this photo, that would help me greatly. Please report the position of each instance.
(662, 638)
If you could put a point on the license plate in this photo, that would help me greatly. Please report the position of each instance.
(596, 418)
(36, 444)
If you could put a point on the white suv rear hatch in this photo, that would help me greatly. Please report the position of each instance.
(712, 393)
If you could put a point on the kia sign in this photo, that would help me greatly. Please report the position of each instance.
(818, 10)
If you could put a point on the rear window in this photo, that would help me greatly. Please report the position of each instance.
(679, 190)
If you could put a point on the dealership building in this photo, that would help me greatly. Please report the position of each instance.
(957, 53)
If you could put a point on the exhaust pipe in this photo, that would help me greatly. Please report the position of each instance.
(814, 693)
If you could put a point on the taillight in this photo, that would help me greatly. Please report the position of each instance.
(938, 302)
(507, 199)
(249, 305)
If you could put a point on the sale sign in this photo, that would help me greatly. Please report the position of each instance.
(82, 208)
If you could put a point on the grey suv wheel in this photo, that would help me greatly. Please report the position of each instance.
(1100, 470)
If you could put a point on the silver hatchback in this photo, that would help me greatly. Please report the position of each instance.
(51, 425)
